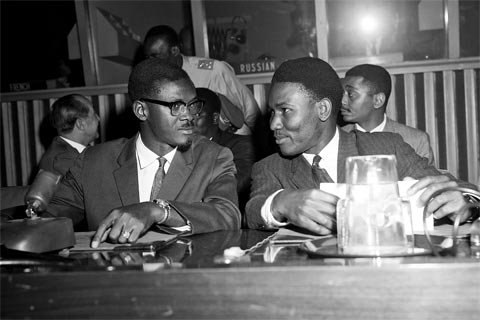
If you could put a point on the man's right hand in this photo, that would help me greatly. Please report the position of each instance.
(312, 209)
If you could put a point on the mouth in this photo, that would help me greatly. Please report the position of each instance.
(344, 111)
(187, 130)
(280, 138)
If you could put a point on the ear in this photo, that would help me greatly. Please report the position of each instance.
(378, 100)
(175, 50)
(80, 124)
(215, 117)
(324, 109)
(140, 110)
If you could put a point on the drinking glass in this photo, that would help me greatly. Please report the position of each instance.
(373, 219)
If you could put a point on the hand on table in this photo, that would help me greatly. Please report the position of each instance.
(312, 209)
(447, 203)
(127, 224)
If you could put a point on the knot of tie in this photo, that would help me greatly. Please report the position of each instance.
(316, 161)
(319, 174)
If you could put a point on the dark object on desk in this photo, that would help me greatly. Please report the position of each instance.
(34, 234)
(10, 257)
(37, 235)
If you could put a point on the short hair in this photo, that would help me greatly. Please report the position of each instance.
(167, 33)
(316, 76)
(66, 110)
(147, 77)
(212, 101)
(376, 78)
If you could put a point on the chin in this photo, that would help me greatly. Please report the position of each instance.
(288, 151)
(185, 145)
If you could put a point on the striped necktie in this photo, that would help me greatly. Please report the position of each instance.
(319, 174)
(157, 181)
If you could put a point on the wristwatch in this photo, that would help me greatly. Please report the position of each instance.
(165, 206)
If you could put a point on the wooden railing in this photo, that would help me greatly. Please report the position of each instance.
(439, 97)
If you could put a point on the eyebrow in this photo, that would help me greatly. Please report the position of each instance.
(350, 87)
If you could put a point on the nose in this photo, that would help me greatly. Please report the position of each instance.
(344, 98)
(275, 122)
(185, 114)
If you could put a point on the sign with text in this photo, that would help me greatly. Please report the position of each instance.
(257, 66)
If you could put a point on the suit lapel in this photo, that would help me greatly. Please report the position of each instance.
(301, 173)
(177, 175)
(126, 176)
(347, 147)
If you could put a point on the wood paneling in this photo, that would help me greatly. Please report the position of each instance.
(442, 109)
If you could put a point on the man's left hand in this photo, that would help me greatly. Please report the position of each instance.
(447, 203)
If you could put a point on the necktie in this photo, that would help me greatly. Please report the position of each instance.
(157, 181)
(319, 174)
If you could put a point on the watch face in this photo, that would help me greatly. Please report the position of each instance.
(161, 203)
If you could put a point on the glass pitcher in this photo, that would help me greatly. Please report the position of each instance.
(373, 219)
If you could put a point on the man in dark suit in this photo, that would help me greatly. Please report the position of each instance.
(304, 99)
(364, 102)
(77, 126)
(208, 125)
(165, 177)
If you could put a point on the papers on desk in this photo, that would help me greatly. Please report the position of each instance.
(83, 240)
(291, 235)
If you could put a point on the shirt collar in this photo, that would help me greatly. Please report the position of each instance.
(328, 152)
(80, 147)
(378, 128)
(146, 156)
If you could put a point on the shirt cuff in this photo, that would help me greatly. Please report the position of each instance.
(266, 213)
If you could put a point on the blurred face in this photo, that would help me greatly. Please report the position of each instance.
(161, 125)
(156, 47)
(293, 119)
(203, 122)
(357, 101)
(91, 123)
(225, 123)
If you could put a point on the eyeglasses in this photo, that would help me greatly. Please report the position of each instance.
(177, 107)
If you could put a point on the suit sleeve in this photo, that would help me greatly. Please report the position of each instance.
(68, 199)
(237, 92)
(264, 184)
(218, 209)
(425, 149)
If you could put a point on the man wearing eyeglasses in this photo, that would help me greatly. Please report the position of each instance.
(165, 177)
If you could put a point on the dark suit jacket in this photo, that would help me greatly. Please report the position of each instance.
(59, 157)
(277, 172)
(243, 155)
(200, 184)
(418, 139)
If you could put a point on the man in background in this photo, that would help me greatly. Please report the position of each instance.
(208, 124)
(367, 89)
(162, 42)
(76, 123)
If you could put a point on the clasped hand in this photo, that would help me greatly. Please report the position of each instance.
(127, 224)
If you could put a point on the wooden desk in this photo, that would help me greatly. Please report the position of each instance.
(197, 286)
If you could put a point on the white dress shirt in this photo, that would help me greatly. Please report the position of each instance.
(378, 128)
(147, 166)
(329, 156)
(80, 147)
